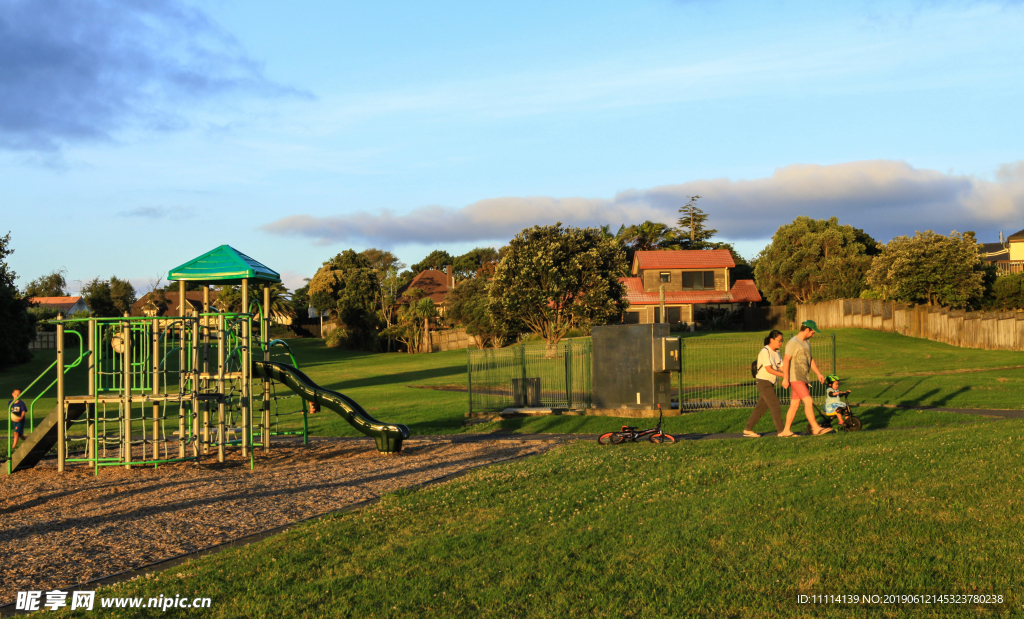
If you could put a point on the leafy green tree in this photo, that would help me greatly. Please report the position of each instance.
(49, 285)
(300, 299)
(437, 259)
(553, 278)
(813, 260)
(109, 298)
(386, 267)
(1008, 292)
(469, 263)
(407, 326)
(16, 326)
(347, 283)
(468, 305)
(930, 268)
(693, 234)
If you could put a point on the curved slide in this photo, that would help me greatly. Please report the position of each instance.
(389, 436)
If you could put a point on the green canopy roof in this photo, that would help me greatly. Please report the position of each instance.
(224, 265)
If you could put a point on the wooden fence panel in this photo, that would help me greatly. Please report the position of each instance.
(988, 331)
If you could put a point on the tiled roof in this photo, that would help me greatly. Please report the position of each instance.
(63, 303)
(1016, 236)
(742, 291)
(170, 305)
(683, 259)
(432, 282)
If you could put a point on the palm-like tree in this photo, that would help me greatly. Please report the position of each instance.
(425, 310)
(648, 236)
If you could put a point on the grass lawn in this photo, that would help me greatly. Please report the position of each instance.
(703, 529)
(881, 368)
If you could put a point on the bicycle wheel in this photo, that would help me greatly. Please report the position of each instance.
(610, 438)
(852, 423)
(661, 437)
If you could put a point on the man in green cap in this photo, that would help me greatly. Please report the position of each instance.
(796, 368)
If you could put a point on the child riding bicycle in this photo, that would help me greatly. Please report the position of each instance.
(834, 405)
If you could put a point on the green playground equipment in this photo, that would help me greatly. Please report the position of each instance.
(167, 389)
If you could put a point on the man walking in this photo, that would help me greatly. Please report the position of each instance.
(796, 368)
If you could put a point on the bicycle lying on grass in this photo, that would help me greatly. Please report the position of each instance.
(631, 433)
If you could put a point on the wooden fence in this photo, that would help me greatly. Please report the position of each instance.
(449, 339)
(984, 330)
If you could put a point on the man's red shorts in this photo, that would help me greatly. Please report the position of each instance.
(800, 390)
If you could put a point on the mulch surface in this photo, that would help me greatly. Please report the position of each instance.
(61, 530)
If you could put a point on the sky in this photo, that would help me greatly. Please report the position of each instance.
(136, 135)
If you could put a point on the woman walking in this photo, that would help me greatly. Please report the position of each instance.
(769, 369)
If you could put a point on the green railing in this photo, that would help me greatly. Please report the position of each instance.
(503, 378)
(716, 370)
(715, 373)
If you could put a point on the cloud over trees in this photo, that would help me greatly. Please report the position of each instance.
(887, 198)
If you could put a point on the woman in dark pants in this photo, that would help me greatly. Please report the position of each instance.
(769, 369)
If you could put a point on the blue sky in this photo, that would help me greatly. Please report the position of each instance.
(135, 136)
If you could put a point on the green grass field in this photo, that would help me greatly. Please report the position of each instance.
(695, 529)
(881, 368)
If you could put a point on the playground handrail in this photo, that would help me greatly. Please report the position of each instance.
(31, 409)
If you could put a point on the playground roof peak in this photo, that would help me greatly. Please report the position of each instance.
(223, 265)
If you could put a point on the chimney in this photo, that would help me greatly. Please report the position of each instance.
(450, 271)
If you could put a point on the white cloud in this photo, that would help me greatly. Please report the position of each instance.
(885, 198)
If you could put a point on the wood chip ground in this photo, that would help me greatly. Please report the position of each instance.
(61, 530)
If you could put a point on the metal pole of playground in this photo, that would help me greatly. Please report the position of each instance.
(193, 422)
(156, 390)
(245, 403)
(126, 390)
(181, 368)
(221, 343)
(265, 335)
(61, 447)
(90, 415)
(206, 370)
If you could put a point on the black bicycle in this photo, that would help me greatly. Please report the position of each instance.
(631, 433)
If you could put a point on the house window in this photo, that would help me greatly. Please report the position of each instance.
(674, 315)
(699, 280)
(666, 277)
(631, 318)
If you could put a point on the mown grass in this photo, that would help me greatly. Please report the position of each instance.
(696, 529)
(881, 368)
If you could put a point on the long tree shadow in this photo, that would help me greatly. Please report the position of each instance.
(397, 379)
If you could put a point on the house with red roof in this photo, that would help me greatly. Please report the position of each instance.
(65, 305)
(436, 284)
(696, 277)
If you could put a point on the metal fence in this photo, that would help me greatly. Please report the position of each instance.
(716, 371)
(716, 374)
(523, 376)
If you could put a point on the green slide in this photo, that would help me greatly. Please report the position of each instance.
(389, 436)
(39, 443)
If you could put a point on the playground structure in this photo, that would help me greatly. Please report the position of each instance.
(165, 389)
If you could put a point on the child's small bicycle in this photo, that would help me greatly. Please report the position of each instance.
(850, 423)
(631, 433)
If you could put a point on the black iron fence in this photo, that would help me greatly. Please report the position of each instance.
(530, 376)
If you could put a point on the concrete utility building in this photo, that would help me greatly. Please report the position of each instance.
(690, 278)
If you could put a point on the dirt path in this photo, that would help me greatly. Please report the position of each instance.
(61, 530)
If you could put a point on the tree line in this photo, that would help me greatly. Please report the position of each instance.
(550, 280)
